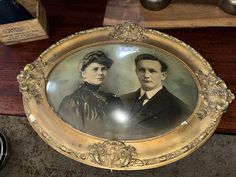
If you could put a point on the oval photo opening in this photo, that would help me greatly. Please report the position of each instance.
(122, 91)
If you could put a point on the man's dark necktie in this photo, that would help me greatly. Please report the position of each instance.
(139, 104)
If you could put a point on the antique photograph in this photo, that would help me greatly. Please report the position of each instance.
(122, 91)
(123, 97)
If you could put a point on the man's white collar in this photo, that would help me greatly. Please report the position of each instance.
(150, 93)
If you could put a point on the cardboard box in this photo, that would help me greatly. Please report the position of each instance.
(28, 30)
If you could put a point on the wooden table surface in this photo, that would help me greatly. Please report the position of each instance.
(217, 45)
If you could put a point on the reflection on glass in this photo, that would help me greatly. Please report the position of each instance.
(125, 51)
(122, 91)
(120, 116)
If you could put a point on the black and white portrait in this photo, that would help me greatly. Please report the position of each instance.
(88, 108)
(122, 91)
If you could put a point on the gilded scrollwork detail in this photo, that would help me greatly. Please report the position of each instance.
(216, 97)
(128, 32)
(55, 143)
(31, 79)
(165, 157)
(114, 154)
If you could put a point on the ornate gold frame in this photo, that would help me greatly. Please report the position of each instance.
(213, 100)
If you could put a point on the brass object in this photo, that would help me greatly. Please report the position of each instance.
(52, 73)
(155, 5)
(228, 6)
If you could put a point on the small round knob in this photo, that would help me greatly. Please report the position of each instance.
(155, 5)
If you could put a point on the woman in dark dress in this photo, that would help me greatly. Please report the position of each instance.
(88, 108)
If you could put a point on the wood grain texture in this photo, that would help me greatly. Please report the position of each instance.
(217, 45)
(180, 13)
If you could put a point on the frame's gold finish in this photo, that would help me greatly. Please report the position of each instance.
(213, 100)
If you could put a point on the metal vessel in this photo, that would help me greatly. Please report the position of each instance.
(155, 5)
(4, 150)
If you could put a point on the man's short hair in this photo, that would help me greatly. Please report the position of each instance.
(151, 57)
(95, 57)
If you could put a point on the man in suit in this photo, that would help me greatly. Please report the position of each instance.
(152, 108)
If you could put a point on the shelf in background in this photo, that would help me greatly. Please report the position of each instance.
(180, 13)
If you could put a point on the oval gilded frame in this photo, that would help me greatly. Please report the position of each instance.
(118, 154)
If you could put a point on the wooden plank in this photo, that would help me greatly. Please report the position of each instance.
(180, 13)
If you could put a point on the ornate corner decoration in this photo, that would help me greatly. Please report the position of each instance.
(114, 154)
(110, 153)
(215, 94)
(128, 32)
(31, 80)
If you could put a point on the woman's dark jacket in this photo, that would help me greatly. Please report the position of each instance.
(89, 109)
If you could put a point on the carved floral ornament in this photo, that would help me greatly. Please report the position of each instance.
(128, 32)
(115, 153)
(31, 79)
(215, 94)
